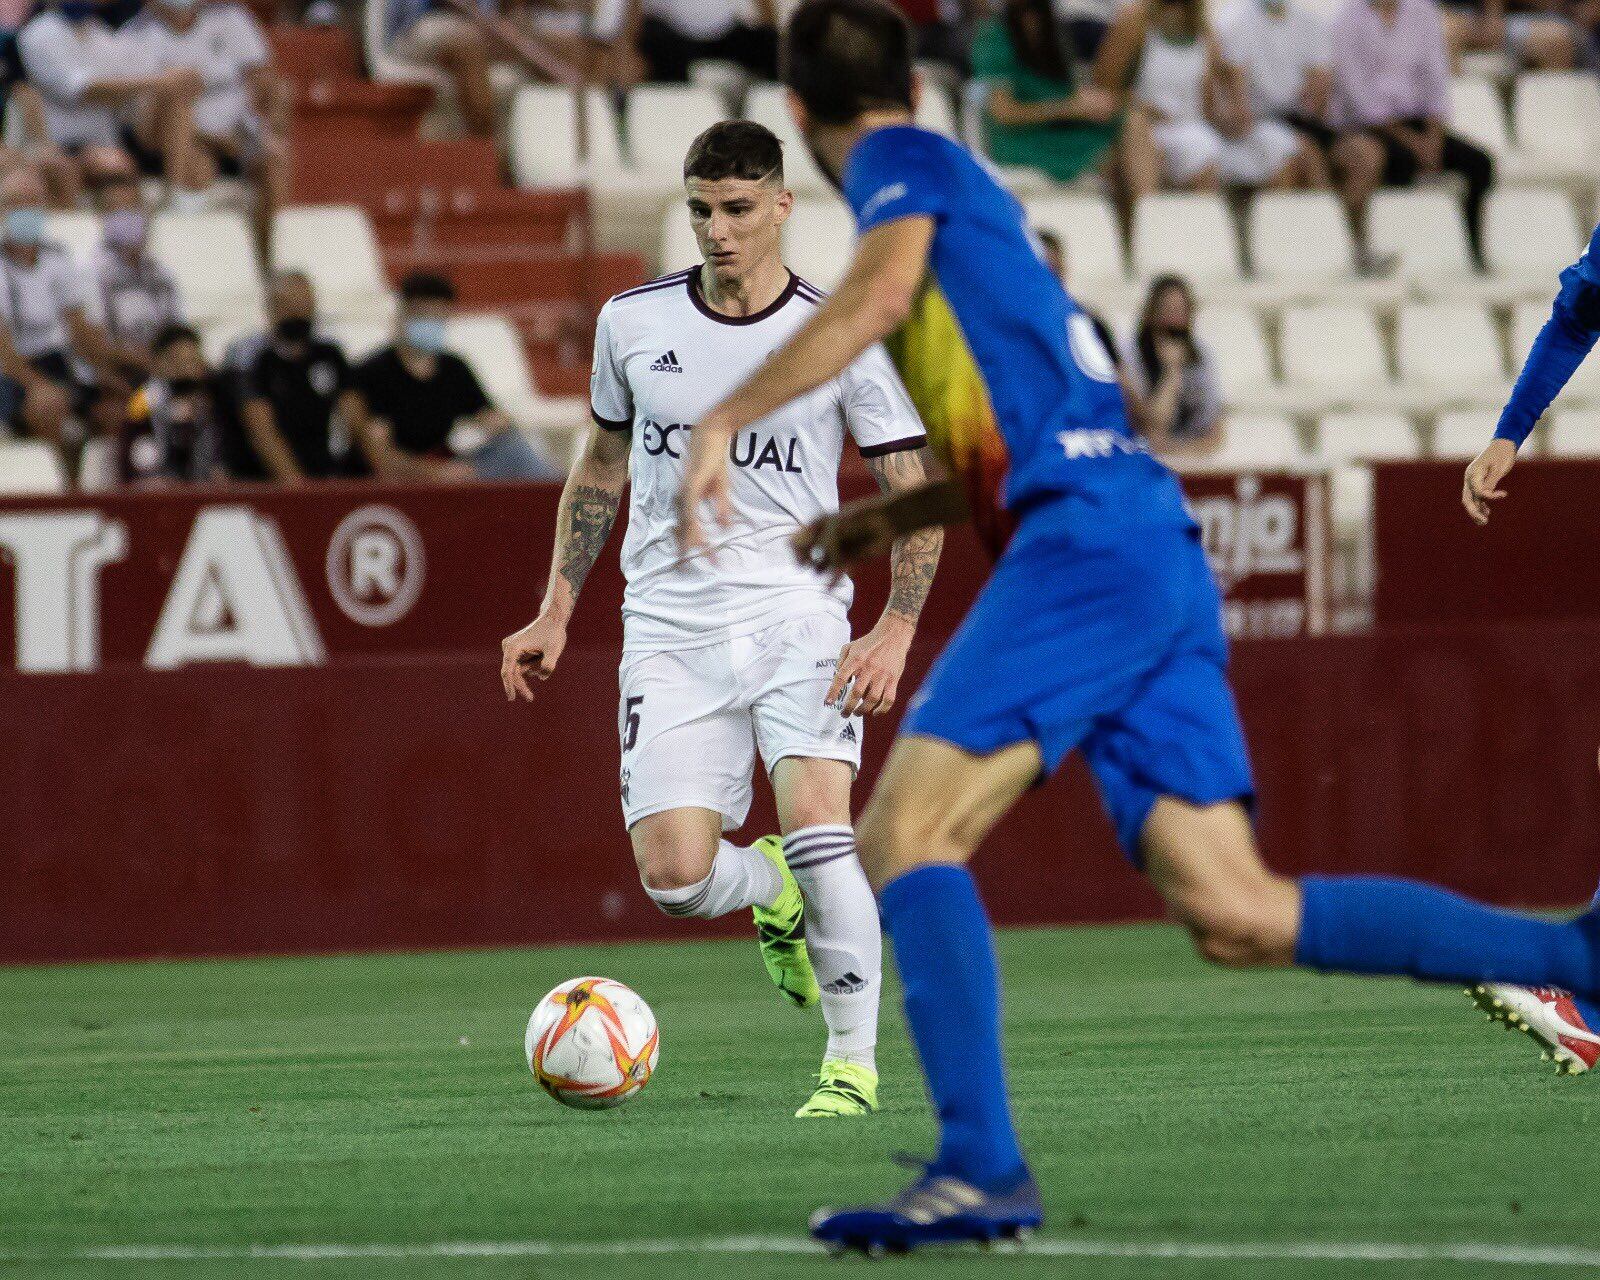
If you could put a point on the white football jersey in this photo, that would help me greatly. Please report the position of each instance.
(662, 358)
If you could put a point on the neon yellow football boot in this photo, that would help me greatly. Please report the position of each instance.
(845, 1089)
(781, 929)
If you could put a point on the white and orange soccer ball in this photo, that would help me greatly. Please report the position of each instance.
(592, 1043)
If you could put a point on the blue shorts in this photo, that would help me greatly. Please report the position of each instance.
(1102, 635)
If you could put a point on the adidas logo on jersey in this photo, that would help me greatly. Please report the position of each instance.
(667, 364)
(849, 734)
(848, 985)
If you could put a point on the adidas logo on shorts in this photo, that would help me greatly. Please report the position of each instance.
(849, 734)
(667, 364)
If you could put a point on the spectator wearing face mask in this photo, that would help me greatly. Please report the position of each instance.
(290, 392)
(171, 436)
(241, 117)
(137, 295)
(419, 412)
(1173, 376)
(63, 358)
(93, 91)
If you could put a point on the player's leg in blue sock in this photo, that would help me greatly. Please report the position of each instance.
(933, 805)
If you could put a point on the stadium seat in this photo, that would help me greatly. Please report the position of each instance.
(661, 120)
(359, 338)
(1450, 354)
(492, 345)
(1478, 115)
(1333, 357)
(97, 465)
(212, 260)
(542, 138)
(1526, 321)
(1189, 235)
(1255, 442)
(335, 246)
(1556, 119)
(765, 105)
(77, 232)
(1425, 231)
(1574, 435)
(1366, 437)
(1237, 342)
(1462, 434)
(679, 248)
(1299, 242)
(1530, 236)
(30, 466)
(1087, 226)
(818, 240)
(935, 110)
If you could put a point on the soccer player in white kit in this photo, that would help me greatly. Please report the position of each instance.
(741, 650)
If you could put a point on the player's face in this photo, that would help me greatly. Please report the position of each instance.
(737, 223)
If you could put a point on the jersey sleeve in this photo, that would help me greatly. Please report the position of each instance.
(610, 401)
(1562, 345)
(877, 409)
(894, 174)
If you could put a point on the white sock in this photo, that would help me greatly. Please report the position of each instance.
(842, 935)
(740, 877)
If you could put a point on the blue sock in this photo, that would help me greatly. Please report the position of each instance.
(1374, 924)
(945, 954)
(1589, 1008)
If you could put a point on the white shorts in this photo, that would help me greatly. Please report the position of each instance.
(692, 720)
(1190, 146)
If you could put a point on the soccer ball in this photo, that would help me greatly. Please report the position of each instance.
(592, 1043)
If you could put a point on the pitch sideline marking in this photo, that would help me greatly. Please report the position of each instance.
(1308, 1251)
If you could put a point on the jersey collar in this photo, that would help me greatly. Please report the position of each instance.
(692, 280)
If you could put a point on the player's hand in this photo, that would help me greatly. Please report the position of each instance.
(832, 543)
(705, 479)
(534, 650)
(867, 679)
(1484, 475)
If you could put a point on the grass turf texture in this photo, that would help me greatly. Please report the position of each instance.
(384, 1100)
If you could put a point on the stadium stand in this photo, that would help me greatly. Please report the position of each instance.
(30, 466)
(1574, 435)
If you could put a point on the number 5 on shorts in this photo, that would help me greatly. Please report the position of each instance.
(630, 726)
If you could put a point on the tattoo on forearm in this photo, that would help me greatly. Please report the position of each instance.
(587, 516)
(915, 557)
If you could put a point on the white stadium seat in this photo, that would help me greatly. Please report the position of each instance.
(491, 344)
(1574, 435)
(661, 120)
(1366, 437)
(1526, 321)
(1556, 117)
(77, 232)
(935, 110)
(1462, 434)
(818, 240)
(766, 105)
(1189, 235)
(1478, 115)
(1426, 233)
(1300, 241)
(360, 338)
(1530, 236)
(1255, 442)
(212, 260)
(679, 248)
(334, 245)
(1087, 226)
(542, 138)
(1238, 344)
(30, 466)
(1333, 357)
(1451, 353)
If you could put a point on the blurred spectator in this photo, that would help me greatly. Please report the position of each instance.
(290, 390)
(171, 436)
(1192, 127)
(419, 412)
(1540, 35)
(433, 33)
(943, 28)
(241, 118)
(65, 366)
(1054, 252)
(138, 296)
(93, 94)
(1284, 53)
(1036, 113)
(1391, 102)
(672, 34)
(1086, 23)
(585, 35)
(1179, 399)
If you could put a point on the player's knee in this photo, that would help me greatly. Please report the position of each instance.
(665, 865)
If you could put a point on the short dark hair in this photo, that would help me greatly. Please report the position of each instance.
(170, 335)
(1050, 239)
(426, 286)
(735, 149)
(847, 57)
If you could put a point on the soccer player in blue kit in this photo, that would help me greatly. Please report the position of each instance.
(1098, 630)
(1566, 1028)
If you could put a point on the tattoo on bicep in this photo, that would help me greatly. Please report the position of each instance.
(590, 511)
(899, 470)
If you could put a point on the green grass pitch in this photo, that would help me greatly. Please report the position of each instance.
(383, 1101)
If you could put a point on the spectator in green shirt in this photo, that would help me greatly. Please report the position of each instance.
(1036, 113)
